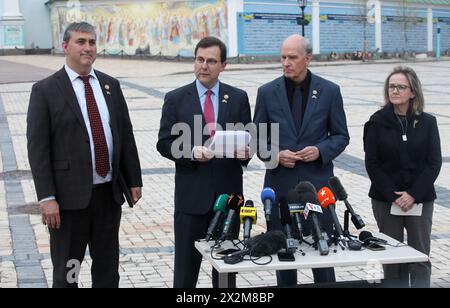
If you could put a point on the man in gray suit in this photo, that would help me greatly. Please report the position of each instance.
(312, 132)
(83, 158)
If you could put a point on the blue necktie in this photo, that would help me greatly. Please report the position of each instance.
(297, 108)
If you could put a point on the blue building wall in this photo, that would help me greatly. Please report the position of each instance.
(342, 27)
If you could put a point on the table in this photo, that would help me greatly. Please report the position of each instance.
(312, 259)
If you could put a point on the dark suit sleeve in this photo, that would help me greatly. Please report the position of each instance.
(246, 118)
(338, 137)
(432, 167)
(39, 143)
(165, 137)
(380, 180)
(129, 162)
(263, 137)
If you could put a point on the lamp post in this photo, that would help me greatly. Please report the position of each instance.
(302, 4)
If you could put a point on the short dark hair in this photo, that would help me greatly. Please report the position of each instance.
(211, 41)
(78, 27)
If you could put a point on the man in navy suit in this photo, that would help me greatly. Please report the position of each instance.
(200, 177)
(312, 132)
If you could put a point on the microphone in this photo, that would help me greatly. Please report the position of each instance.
(308, 194)
(341, 195)
(295, 209)
(367, 238)
(220, 209)
(264, 244)
(235, 201)
(248, 216)
(326, 199)
(268, 199)
(286, 222)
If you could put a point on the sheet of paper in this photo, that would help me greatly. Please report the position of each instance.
(226, 143)
(416, 210)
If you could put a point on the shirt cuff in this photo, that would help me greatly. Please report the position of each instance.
(47, 199)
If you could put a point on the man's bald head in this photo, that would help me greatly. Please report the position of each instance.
(296, 54)
(299, 42)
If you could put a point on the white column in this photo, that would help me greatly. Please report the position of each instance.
(316, 26)
(378, 40)
(11, 26)
(11, 10)
(430, 29)
(234, 7)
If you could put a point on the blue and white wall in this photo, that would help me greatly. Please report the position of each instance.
(342, 26)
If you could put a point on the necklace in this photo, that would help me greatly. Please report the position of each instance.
(404, 129)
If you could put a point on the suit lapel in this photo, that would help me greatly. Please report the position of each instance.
(223, 105)
(283, 99)
(66, 87)
(313, 101)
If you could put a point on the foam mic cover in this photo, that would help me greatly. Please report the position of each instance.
(267, 243)
(326, 197)
(307, 192)
(367, 237)
(337, 188)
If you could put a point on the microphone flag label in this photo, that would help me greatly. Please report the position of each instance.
(312, 207)
(296, 208)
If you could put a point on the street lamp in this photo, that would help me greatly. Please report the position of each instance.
(302, 4)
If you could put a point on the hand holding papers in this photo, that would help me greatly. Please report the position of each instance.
(230, 144)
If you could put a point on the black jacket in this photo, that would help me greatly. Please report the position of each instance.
(58, 142)
(198, 184)
(395, 165)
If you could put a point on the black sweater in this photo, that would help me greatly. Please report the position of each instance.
(395, 165)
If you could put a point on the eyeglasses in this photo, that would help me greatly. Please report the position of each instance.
(209, 62)
(398, 87)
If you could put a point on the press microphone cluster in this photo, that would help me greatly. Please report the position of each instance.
(341, 195)
(220, 211)
(248, 217)
(268, 200)
(234, 203)
(308, 195)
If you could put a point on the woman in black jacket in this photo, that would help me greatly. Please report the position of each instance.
(403, 159)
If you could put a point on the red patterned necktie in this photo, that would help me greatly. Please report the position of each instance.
(208, 113)
(98, 134)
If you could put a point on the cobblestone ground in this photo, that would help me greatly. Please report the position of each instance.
(146, 233)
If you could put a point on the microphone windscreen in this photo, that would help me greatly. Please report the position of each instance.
(337, 188)
(364, 235)
(267, 243)
(285, 216)
(293, 197)
(267, 193)
(305, 186)
(235, 201)
(326, 197)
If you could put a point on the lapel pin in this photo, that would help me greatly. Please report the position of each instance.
(314, 92)
(107, 92)
(107, 87)
(226, 96)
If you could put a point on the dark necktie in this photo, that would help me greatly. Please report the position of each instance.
(208, 112)
(297, 108)
(98, 134)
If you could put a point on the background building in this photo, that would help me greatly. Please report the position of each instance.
(250, 27)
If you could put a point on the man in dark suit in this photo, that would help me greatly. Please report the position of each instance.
(201, 108)
(312, 132)
(83, 157)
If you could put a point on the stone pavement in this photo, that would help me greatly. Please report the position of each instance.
(146, 234)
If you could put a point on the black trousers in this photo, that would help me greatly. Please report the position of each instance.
(97, 226)
(188, 229)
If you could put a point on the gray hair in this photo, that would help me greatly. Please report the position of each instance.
(417, 102)
(78, 27)
(307, 46)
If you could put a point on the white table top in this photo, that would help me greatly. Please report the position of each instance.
(313, 259)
